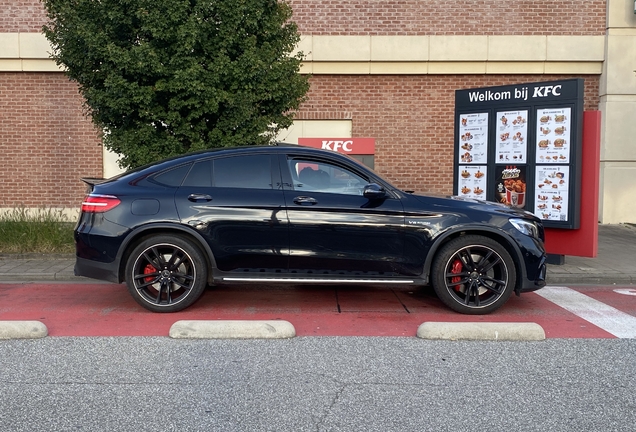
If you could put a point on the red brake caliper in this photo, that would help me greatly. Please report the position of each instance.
(456, 269)
(149, 269)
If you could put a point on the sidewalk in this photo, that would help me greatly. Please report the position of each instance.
(614, 265)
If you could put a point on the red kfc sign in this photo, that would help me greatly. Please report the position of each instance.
(357, 146)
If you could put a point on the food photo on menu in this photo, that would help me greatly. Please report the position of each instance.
(474, 145)
(552, 187)
(553, 136)
(473, 138)
(472, 182)
(512, 129)
(511, 186)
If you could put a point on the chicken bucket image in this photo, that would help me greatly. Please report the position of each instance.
(511, 186)
(516, 199)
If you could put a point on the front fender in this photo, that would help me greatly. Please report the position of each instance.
(497, 234)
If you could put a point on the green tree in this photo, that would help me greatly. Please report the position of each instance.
(166, 77)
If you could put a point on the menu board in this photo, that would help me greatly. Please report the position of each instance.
(472, 182)
(511, 186)
(553, 136)
(552, 186)
(512, 137)
(520, 145)
(473, 141)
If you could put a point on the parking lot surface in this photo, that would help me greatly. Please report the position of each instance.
(98, 309)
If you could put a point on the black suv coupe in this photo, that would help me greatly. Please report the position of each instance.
(296, 215)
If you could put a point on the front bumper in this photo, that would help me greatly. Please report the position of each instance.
(532, 257)
(539, 281)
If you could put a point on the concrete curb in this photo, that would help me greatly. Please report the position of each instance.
(22, 330)
(504, 331)
(591, 279)
(232, 329)
(40, 277)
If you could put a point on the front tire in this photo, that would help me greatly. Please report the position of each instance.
(166, 273)
(473, 275)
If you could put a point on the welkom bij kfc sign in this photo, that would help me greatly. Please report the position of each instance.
(519, 93)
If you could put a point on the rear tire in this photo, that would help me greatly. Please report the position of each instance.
(166, 273)
(473, 275)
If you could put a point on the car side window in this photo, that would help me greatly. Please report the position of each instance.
(246, 171)
(253, 172)
(324, 177)
(200, 175)
(172, 177)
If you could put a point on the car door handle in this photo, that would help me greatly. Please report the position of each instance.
(305, 200)
(199, 197)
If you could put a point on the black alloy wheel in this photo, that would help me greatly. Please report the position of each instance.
(473, 275)
(166, 273)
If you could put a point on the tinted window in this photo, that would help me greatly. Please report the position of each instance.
(254, 172)
(324, 177)
(200, 175)
(172, 177)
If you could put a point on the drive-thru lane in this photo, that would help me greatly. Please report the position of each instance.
(95, 309)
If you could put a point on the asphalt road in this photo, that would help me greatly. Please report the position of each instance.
(316, 384)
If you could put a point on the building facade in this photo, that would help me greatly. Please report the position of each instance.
(386, 69)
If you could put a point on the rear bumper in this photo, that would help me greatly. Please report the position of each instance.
(97, 270)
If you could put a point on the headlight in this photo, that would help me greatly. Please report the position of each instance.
(526, 227)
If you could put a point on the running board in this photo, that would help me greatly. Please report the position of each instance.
(317, 280)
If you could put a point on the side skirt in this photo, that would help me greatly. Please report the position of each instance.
(318, 280)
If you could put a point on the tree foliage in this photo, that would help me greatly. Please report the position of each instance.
(166, 77)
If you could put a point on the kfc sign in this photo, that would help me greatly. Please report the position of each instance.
(335, 145)
(357, 146)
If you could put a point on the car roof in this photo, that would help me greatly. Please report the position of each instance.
(279, 147)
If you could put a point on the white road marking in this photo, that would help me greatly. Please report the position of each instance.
(610, 319)
(626, 291)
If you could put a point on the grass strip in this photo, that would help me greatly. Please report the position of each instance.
(35, 231)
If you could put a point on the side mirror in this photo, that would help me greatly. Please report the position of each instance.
(374, 191)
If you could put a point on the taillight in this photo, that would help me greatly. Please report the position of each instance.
(99, 203)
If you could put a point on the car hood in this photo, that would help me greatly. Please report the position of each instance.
(456, 202)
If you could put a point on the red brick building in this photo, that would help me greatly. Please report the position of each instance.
(386, 69)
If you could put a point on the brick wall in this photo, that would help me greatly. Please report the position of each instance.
(401, 17)
(411, 118)
(21, 16)
(444, 17)
(46, 142)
